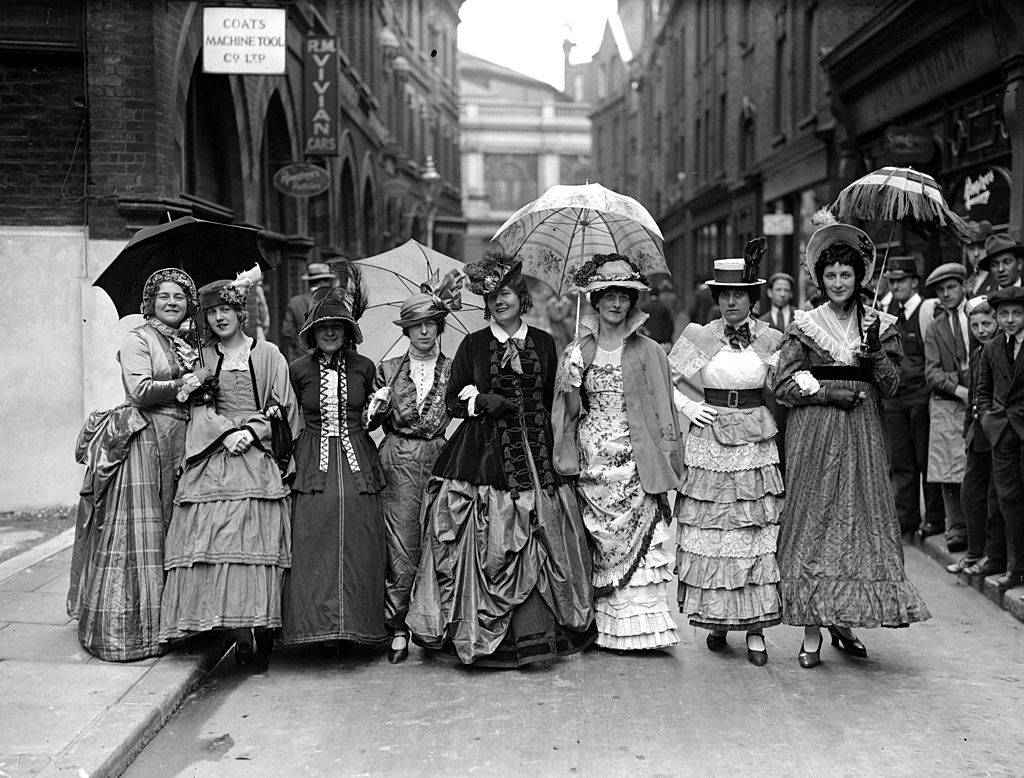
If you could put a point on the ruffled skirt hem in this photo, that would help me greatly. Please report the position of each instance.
(731, 573)
(730, 608)
(711, 486)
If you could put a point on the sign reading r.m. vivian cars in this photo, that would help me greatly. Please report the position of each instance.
(321, 96)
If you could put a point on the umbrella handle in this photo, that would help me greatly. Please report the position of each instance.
(885, 258)
(579, 297)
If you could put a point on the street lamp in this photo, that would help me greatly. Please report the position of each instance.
(431, 181)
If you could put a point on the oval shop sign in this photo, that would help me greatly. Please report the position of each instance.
(302, 179)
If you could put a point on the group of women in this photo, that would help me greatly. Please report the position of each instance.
(542, 525)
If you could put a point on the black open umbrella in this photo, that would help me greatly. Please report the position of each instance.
(207, 251)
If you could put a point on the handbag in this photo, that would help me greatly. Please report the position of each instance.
(280, 437)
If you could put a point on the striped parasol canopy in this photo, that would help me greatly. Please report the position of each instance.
(905, 195)
(567, 225)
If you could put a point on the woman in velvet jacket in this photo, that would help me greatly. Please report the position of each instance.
(504, 575)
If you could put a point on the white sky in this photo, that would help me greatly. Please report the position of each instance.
(527, 35)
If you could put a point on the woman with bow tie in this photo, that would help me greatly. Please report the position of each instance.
(504, 575)
(730, 498)
(409, 401)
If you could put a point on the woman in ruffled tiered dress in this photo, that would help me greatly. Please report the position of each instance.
(229, 542)
(615, 427)
(504, 575)
(840, 550)
(730, 499)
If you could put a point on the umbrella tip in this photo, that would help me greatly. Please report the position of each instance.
(168, 214)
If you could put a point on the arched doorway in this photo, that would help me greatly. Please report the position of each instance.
(278, 214)
(371, 234)
(212, 164)
(349, 237)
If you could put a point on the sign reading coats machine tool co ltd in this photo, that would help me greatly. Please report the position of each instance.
(321, 96)
(244, 40)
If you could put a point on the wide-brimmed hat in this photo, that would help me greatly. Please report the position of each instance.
(838, 233)
(602, 273)
(901, 267)
(996, 245)
(945, 272)
(1011, 294)
(435, 300)
(343, 303)
(317, 271)
(491, 273)
(729, 272)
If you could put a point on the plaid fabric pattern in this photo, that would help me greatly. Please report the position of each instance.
(118, 608)
(333, 398)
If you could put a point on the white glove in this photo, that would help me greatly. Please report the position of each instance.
(699, 414)
(189, 383)
(378, 399)
(808, 383)
(468, 394)
(575, 363)
(237, 442)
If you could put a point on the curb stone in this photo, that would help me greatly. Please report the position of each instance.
(1011, 601)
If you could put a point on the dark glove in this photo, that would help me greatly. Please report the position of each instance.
(871, 337)
(844, 397)
(494, 405)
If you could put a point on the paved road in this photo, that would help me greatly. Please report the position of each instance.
(942, 697)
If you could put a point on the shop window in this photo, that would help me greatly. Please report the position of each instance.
(212, 168)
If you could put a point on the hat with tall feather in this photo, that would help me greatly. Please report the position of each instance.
(342, 303)
(740, 271)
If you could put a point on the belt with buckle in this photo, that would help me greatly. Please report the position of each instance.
(734, 398)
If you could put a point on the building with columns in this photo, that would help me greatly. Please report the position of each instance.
(519, 136)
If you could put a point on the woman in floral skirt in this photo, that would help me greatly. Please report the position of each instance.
(615, 427)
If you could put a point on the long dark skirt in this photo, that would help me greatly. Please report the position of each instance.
(840, 552)
(502, 582)
(335, 588)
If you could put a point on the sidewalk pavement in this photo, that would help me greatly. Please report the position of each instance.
(1011, 600)
(64, 711)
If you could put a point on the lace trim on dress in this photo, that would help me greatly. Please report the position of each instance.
(743, 543)
(709, 455)
(813, 325)
(236, 358)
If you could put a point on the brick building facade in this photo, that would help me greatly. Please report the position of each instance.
(110, 124)
(744, 108)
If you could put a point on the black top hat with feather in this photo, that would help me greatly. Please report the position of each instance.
(345, 302)
(741, 271)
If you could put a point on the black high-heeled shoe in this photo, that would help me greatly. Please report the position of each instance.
(243, 653)
(264, 648)
(851, 646)
(758, 657)
(807, 658)
(399, 655)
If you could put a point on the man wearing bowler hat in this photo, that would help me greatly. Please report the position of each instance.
(946, 370)
(1003, 261)
(906, 413)
(317, 274)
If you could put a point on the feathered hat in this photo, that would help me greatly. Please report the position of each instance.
(231, 293)
(740, 271)
(344, 302)
(607, 270)
(435, 300)
(830, 232)
(491, 272)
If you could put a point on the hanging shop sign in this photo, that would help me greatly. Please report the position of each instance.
(244, 40)
(321, 96)
(982, 193)
(908, 145)
(777, 224)
(302, 179)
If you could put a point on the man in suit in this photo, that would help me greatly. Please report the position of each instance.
(946, 371)
(1001, 413)
(780, 299)
(317, 274)
(778, 316)
(1003, 261)
(906, 413)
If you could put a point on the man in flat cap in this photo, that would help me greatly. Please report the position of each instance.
(1003, 261)
(906, 413)
(946, 371)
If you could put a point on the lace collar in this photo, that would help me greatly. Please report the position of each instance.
(822, 327)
